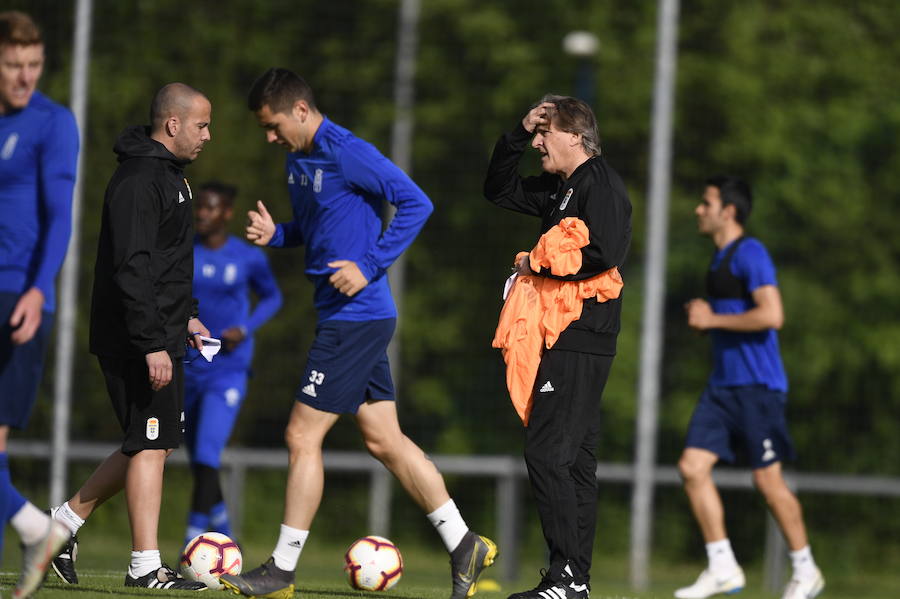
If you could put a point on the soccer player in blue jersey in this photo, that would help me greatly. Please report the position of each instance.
(38, 156)
(226, 270)
(338, 184)
(741, 411)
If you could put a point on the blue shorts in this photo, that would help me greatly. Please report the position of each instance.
(747, 421)
(348, 365)
(21, 366)
(212, 400)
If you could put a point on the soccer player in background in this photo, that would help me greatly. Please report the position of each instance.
(338, 184)
(142, 318)
(741, 411)
(563, 429)
(226, 270)
(38, 157)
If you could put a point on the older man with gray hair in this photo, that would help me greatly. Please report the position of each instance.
(562, 418)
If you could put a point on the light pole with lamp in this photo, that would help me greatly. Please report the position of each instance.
(584, 46)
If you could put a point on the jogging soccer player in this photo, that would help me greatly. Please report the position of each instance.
(226, 270)
(562, 425)
(142, 318)
(741, 411)
(337, 184)
(38, 157)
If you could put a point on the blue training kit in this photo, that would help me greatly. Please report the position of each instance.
(337, 193)
(746, 358)
(348, 365)
(741, 411)
(223, 280)
(38, 160)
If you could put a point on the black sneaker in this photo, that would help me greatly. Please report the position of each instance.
(557, 583)
(543, 585)
(268, 581)
(164, 578)
(64, 563)
(473, 554)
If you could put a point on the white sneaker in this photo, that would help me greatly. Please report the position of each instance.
(36, 557)
(709, 584)
(804, 589)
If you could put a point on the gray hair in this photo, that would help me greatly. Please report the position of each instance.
(575, 116)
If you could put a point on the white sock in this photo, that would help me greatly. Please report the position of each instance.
(64, 514)
(31, 523)
(290, 544)
(721, 557)
(448, 522)
(803, 562)
(144, 562)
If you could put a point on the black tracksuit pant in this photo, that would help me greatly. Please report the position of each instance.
(560, 451)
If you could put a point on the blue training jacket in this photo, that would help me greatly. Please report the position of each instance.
(337, 193)
(38, 160)
(223, 280)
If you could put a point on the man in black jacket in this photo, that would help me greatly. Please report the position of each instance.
(563, 430)
(142, 315)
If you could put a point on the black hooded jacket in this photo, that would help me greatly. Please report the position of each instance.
(145, 262)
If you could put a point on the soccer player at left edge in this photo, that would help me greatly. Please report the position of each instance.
(38, 158)
(142, 318)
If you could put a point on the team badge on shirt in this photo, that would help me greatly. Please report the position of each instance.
(9, 146)
(317, 181)
(565, 202)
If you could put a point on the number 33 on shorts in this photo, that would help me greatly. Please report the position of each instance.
(316, 377)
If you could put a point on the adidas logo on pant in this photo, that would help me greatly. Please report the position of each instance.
(310, 390)
(547, 388)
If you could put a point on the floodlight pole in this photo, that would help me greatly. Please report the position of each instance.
(401, 154)
(67, 304)
(654, 292)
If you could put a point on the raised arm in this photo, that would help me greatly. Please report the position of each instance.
(502, 185)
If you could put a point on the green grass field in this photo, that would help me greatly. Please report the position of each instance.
(320, 576)
(105, 546)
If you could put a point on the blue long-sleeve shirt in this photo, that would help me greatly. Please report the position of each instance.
(38, 159)
(337, 193)
(223, 280)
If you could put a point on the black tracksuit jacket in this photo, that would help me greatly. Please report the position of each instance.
(595, 194)
(145, 259)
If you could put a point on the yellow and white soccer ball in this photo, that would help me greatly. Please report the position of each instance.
(373, 564)
(209, 555)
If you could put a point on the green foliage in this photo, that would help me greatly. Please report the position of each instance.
(799, 98)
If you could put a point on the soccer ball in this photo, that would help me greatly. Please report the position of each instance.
(373, 564)
(209, 555)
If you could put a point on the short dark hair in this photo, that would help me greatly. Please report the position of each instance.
(18, 29)
(227, 192)
(734, 192)
(172, 98)
(278, 89)
(575, 116)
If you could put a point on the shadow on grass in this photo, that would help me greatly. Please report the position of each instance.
(311, 590)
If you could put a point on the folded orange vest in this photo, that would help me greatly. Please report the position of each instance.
(538, 309)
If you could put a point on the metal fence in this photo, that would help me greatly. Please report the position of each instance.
(507, 471)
